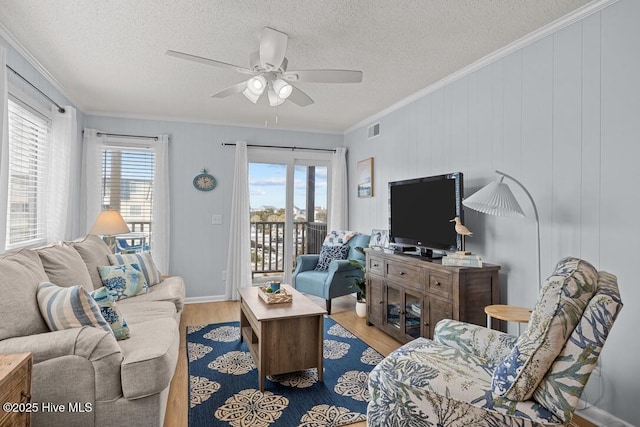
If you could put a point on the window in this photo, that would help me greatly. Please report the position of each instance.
(28, 150)
(127, 184)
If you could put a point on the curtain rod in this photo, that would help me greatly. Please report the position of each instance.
(60, 109)
(281, 147)
(155, 138)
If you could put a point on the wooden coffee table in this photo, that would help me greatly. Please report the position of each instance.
(282, 338)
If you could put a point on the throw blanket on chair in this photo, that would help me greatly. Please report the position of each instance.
(338, 237)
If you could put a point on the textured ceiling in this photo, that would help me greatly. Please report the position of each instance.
(109, 56)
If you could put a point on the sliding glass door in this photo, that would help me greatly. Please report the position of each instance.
(288, 204)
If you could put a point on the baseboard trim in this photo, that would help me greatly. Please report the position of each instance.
(211, 298)
(599, 416)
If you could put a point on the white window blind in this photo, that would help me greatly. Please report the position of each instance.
(28, 150)
(127, 184)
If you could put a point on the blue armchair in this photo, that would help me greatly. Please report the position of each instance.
(338, 280)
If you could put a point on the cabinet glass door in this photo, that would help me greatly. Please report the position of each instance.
(394, 307)
(413, 315)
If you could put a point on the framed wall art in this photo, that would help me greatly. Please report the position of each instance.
(365, 177)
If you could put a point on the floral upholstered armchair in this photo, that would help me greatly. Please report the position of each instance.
(471, 375)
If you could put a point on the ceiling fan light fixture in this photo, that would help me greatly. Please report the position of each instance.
(257, 84)
(274, 100)
(282, 88)
(250, 95)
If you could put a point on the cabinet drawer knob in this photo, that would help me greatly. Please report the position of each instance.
(26, 396)
(381, 302)
(426, 323)
(402, 273)
(375, 265)
(437, 283)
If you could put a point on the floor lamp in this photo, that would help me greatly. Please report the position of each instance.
(497, 199)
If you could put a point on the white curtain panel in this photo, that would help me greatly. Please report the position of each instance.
(339, 202)
(61, 170)
(4, 148)
(92, 178)
(160, 237)
(239, 261)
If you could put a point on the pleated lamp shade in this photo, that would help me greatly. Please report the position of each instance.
(496, 199)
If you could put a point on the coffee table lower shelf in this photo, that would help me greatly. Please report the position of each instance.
(282, 338)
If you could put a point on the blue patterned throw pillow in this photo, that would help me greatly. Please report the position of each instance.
(125, 280)
(329, 253)
(106, 300)
(144, 261)
(68, 307)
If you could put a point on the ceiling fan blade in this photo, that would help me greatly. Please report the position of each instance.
(232, 90)
(324, 76)
(208, 61)
(300, 98)
(273, 46)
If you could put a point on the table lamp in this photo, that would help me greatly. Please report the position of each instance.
(497, 199)
(110, 223)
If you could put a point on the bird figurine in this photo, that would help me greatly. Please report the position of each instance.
(461, 230)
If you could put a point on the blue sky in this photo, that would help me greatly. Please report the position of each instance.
(267, 185)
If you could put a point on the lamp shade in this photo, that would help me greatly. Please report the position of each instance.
(274, 100)
(282, 88)
(109, 223)
(495, 198)
(256, 85)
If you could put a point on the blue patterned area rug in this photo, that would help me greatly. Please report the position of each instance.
(224, 390)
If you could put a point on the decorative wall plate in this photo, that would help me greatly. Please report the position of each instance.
(204, 181)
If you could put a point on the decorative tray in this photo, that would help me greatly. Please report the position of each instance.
(282, 296)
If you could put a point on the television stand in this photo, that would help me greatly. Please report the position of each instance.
(408, 295)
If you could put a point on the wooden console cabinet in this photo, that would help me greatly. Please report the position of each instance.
(407, 295)
(15, 389)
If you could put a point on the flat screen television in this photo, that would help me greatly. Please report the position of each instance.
(421, 210)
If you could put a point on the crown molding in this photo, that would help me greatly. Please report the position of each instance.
(207, 122)
(26, 54)
(542, 32)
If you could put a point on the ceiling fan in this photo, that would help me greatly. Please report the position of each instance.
(268, 68)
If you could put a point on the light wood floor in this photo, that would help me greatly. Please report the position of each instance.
(205, 313)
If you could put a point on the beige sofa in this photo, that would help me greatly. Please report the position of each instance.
(125, 382)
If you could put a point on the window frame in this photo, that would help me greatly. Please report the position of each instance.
(129, 144)
(38, 109)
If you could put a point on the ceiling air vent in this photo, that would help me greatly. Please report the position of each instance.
(373, 131)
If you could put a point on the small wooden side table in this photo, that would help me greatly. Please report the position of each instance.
(15, 389)
(509, 313)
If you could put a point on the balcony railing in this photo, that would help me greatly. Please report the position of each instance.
(267, 243)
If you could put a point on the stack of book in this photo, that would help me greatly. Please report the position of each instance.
(462, 260)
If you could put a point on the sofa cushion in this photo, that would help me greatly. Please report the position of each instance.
(69, 307)
(559, 309)
(94, 252)
(329, 253)
(150, 357)
(425, 383)
(145, 311)
(64, 266)
(144, 261)
(170, 289)
(22, 272)
(125, 280)
(106, 300)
